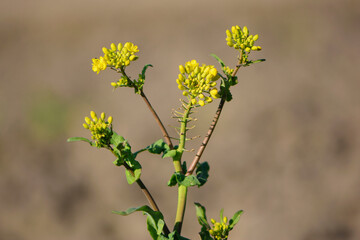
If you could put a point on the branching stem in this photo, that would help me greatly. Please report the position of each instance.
(210, 131)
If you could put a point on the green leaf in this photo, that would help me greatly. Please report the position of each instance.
(170, 153)
(144, 70)
(181, 179)
(202, 173)
(218, 59)
(154, 220)
(117, 141)
(158, 147)
(133, 177)
(184, 167)
(172, 182)
(201, 215)
(225, 90)
(235, 219)
(77, 139)
(221, 215)
(123, 150)
(248, 63)
(204, 234)
(118, 162)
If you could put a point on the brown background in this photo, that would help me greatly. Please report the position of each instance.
(286, 149)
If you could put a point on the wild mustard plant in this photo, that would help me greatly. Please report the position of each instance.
(201, 85)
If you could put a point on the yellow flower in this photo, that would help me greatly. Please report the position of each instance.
(100, 129)
(240, 39)
(198, 82)
(98, 64)
(120, 55)
(220, 230)
(116, 56)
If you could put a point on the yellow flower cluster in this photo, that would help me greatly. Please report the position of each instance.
(116, 56)
(198, 81)
(220, 230)
(98, 64)
(228, 71)
(123, 82)
(240, 39)
(100, 129)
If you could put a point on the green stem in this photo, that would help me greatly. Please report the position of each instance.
(180, 211)
(182, 190)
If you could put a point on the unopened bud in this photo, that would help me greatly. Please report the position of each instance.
(93, 116)
(110, 119)
(182, 69)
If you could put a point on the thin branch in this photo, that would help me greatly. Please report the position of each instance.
(206, 139)
(161, 125)
(210, 131)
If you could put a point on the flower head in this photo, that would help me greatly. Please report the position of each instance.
(98, 64)
(220, 230)
(198, 82)
(116, 57)
(100, 129)
(240, 39)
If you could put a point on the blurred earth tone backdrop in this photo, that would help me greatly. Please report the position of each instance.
(286, 149)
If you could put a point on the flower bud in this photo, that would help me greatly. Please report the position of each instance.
(93, 116)
(214, 93)
(233, 29)
(102, 116)
(182, 69)
(87, 120)
(133, 57)
(85, 126)
(256, 37)
(245, 31)
(110, 119)
(201, 103)
(228, 34)
(113, 47)
(105, 50)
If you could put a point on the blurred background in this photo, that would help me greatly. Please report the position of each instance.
(286, 149)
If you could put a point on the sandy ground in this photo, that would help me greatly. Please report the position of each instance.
(286, 149)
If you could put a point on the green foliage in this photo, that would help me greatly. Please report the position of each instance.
(82, 139)
(160, 147)
(202, 173)
(154, 220)
(122, 150)
(181, 179)
(235, 219)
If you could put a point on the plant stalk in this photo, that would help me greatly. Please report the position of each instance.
(161, 125)
(182, 190)
(210, 131)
